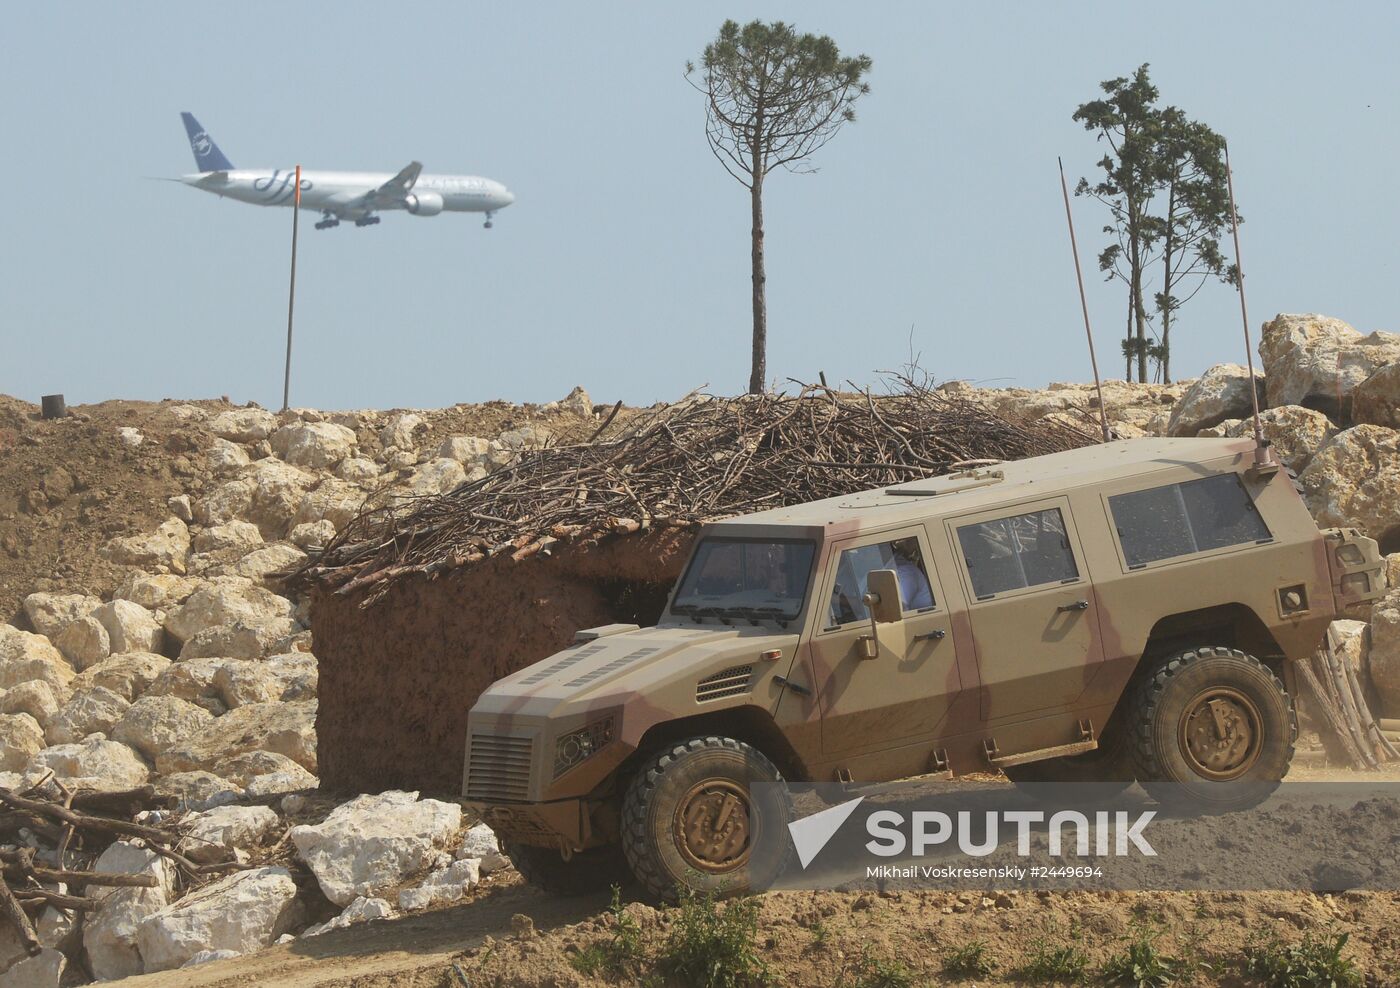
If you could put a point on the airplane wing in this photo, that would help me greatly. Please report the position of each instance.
(391, 194)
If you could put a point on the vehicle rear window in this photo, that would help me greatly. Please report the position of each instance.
(1181, 519)
(1021, 551)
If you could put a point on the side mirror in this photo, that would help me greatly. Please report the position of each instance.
(882, 601)
(882, 596)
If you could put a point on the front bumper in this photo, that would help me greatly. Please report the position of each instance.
(563, 824)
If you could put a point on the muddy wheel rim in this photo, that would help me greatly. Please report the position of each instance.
(1221, 733)
(712, 825)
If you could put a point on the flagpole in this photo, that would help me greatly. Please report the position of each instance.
(291, 294)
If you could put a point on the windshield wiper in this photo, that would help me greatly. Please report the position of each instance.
(755, 614)
(697, 612)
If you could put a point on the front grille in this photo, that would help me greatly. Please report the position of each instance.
(730, 682)
(499, 768)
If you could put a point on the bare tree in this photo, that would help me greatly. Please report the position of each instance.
(773, 97)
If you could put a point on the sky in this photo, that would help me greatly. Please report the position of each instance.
(934, 225)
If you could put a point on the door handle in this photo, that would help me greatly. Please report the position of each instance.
(1078, 605)
(936, 634)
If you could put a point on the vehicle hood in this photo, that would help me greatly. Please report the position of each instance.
(609, 670)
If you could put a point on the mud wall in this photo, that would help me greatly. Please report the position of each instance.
(397, 678)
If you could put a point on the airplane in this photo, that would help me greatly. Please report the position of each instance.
(340, 196)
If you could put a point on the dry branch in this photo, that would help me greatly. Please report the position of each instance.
(697, 460)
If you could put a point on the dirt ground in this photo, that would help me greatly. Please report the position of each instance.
(826, 938)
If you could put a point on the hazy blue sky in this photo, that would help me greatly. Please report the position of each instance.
(623, 265)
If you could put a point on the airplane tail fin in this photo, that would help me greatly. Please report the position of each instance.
(207, 155)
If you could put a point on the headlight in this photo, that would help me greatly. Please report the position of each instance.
(576, 746)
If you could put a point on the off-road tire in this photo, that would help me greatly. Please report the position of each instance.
(652, 803)
(1158, 720)
(592, 870)
(1103, 772)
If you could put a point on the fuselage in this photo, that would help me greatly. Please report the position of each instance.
(338, 191)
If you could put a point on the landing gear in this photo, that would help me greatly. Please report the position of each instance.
(367, 221)
(327, 221)
(487, 224)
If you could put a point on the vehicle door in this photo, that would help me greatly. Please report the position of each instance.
(905, 691)
(1031, 606)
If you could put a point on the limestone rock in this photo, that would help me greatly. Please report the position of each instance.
(21, 738)
(261, 564)
(90, 711)
(312, 534)
(336, 501)
(98, 763)
(43, 970)
(244, 912)
(230, 500)
(278, 489)
(198, 790)
(130, 627)
(208, 956)
(1351, 641)
(402, 431)
(155, 593)
(1383, 656)
(192, 680)
(375, 842)
(154, 724)
(239, 640)
(244, 768)
(1222, 392)
(313, 444)
(85, 642)
(444, 885)
(128, 675)
(362, 910)
(165, 547)
(577, 402)
(525, 437)
(226, 458)
(1294, 432)
(243, 425)
(466, 450)
(358, 470)
(109, 932)
(239, 536)
(289, 676)
(37, 699)
(213, 834)
(284, 728)
(480, 843)
(226, 600)
(280, 783)
(1376, 400)
(1355, 480)
(181, 507)
(1313, 360)
(437, 477)
(26, 657)
(50, 613)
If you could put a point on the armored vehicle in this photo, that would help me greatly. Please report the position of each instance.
(1129, 611)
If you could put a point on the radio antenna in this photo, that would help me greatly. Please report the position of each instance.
(1084, 304)
(1261, 448)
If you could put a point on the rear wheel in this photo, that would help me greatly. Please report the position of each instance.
(695, 814)
(1213, 728)
(585, 871)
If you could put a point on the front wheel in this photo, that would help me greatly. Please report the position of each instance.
(695, 814)
(1213, 729)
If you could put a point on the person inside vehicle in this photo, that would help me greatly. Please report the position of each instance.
(913, 581)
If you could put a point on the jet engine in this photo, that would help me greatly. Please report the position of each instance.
(423, 203)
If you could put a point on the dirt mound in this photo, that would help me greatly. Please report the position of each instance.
(67, 486)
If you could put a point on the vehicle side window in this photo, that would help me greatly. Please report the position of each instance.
(853, 569)
(1021, 551)
(1179, 519)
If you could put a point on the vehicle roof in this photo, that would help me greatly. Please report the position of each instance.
(1022, 480)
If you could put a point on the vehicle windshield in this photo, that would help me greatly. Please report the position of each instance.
(746, 578)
